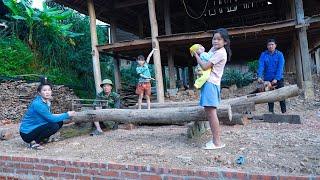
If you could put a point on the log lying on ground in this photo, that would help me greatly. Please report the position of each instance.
(152, 116)
(282, 118)
(238, 118)
(259, 98)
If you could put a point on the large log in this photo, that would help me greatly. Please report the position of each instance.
(258, 98)
(153, 116)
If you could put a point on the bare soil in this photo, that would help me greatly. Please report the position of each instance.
(277, 148)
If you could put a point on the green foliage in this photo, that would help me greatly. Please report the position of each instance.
(15, 57)
(129, 76)
(55, 52)
(253, 66)
(233, 76)
(49, 18)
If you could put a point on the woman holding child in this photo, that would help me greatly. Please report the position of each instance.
(210, 91)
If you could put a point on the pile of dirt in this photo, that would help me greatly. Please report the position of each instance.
(16, 96)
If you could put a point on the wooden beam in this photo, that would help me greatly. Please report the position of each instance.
(94, 43)
(128, 3)
(183, 38)
(156, 54)
(193, 37)
(306, 61)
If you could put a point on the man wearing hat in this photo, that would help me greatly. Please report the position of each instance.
(105, 100)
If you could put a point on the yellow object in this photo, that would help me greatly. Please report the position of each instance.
(194, 48)
(202, 79)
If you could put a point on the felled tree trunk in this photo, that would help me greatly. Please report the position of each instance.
(259, 98)
(152, 116)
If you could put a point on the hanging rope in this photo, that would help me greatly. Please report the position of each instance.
(186, 9)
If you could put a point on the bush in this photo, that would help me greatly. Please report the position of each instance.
(16, 57)
(233, 76)
(253, 66)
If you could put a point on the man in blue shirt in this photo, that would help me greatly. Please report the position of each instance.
(271, 65)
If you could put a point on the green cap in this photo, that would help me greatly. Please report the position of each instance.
(106, 81)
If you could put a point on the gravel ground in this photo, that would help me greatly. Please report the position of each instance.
(275, 148)
(279, 148)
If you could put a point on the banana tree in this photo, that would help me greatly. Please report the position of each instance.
(51, 18)
(22, 11)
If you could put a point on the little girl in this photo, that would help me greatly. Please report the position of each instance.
(210, 91)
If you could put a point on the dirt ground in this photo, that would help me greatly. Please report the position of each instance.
(278, 148)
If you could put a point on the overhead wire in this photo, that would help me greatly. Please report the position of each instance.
(193, 17)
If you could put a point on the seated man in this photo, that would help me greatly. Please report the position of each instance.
(105, 100)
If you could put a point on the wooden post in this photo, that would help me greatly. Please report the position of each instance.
(296, 50)
(317, 57)
(184, 76)
(171, 69)
(178, 73)
(156, 54)
(190, 74)
(164, 78)
(116, 61)
(94, 43)
(304, 49)
(297, 57)
(167, 22)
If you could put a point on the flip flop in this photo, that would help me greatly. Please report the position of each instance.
(211, 146)
(36, 146)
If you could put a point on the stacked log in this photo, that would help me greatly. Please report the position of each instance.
(129, 97)
(15, 96)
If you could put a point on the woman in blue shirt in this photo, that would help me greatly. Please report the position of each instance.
(38, 124)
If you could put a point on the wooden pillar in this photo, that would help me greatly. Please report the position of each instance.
(164, 78)
(167, 22)
(317, 57)
(178, 73)
(306, 62)
(116, 60)
(190, 74)
(297, 57)
(156, 54)
(94, 43)
(183, 76)
(171, 69)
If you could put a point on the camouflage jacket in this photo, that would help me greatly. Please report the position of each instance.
(109, 102)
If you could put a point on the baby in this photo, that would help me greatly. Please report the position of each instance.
(202, 76)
